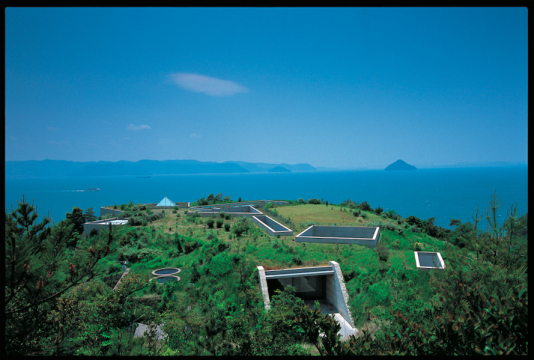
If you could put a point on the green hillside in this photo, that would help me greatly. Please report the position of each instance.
(216, 308)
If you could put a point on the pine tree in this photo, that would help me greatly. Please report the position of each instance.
(89, 215)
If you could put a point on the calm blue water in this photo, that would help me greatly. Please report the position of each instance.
(425, 193)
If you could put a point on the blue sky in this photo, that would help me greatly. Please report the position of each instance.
(334, 87)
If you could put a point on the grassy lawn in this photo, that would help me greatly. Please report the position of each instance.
(323, 214)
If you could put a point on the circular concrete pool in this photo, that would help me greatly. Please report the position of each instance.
(165, 278)
(166, 271)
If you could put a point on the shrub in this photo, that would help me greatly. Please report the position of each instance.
(174, 211)
(400, 231)
(296, 260)
(382, 252)
(384, 216)
(210, 223)
(364, 215)
(418, 246)
(220, 223)
(378, 294)
(227, 216)
(301, 201)
(314, 201)
(220, 264)
(211, 235)
(378, 210)
(365, 206)
(221, 214)
(396, 244)
(190, 246)
(226, 227)
(185, 212)
(94, 232)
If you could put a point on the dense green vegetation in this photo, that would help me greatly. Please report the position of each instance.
(60, 298)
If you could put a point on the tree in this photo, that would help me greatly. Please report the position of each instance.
(39, 269)
(77, 218)
(89, 215)
(219, 197)
(239, 200)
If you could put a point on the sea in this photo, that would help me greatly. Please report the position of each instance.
(441, 193)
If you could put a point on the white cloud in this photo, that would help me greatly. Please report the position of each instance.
(207, 85)
(140, 127)
(195, 136)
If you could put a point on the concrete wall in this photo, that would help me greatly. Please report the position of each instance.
(244, 211)
(107, 211)
(340, 235)
(344, 231)
(99, 225)
(336, 293)
(263, 287)
(271, 226)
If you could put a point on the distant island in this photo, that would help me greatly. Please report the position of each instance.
(400, 165)
(141, 168)
(279, 169)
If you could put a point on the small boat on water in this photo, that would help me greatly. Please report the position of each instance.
(89, 189)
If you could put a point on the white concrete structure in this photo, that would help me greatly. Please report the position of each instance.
(271, 226)
(246, 211)
(368, 236)
(426, 261)
(103, 224)
(322, 283)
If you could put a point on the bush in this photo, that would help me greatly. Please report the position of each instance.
(400, 231)
(227, 216)
(314, 201)
(418, 246)
(226, 227)
(396, 244)
(220, 223)
(365, 206)
(378, 294)
(221, 214)
(384, 216)
(93, 232)
(174, 211)
(364, 215)
(356, 213)
(301, 201)
(210, 223)
(378, 210)
(382, 252)
(211, 235)
(185, 212)
(296, 260)
(414, 228)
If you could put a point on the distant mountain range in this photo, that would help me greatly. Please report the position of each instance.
(257, 167)
(279, 169)
(62, 168)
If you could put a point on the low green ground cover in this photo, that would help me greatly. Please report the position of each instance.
(218, 295)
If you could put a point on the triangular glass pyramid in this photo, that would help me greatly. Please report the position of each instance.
(166, 202)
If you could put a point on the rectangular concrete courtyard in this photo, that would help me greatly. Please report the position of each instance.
(368, 236)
